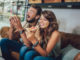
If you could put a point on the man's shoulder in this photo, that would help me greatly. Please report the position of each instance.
(24, 24)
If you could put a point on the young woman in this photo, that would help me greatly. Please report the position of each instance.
(48, 46)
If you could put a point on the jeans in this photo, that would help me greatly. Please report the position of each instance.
(30, 54)
(27, 53)
(43, 58)
(7, 46)
(23, 50)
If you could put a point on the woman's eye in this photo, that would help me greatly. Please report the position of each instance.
(40, 19)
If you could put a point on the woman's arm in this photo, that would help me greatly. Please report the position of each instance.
(52, 42)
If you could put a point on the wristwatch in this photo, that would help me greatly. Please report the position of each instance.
(35, 44)
(21, 31)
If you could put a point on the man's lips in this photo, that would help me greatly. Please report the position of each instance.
(28, 16)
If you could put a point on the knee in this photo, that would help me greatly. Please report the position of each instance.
(37, 58)
(29, 55)
(23, 50)
(3, 41)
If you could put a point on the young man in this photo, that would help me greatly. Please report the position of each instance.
(8, 45)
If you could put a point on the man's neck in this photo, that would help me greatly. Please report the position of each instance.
(32, 24)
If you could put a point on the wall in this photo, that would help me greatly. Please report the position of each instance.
(4, 21)
(68, 19)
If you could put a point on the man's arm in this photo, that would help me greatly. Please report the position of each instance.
(18, 26)
(25, 40)
(11, 33)
(11, 30)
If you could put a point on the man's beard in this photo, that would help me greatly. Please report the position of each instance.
(31, 21)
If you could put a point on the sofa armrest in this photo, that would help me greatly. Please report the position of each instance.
(15, 55)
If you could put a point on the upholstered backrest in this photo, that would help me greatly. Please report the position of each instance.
(69, 38)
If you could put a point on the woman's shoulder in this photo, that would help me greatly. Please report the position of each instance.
(56, 33)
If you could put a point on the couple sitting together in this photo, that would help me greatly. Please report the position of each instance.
(39, 36)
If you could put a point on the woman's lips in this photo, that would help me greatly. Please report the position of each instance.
(41, 24)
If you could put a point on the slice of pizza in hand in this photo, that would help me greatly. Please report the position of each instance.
(33, 28)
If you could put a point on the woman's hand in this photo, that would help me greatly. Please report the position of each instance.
(31, 34)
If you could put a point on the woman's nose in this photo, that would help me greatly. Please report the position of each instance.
(40, 20)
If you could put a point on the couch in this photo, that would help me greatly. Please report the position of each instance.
(66, 39)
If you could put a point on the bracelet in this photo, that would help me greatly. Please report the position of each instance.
(35, 44)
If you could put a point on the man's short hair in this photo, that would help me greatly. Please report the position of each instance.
(38, 8)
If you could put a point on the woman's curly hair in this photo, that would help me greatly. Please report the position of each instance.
(53, 25)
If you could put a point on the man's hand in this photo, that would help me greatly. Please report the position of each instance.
(13, 32)
(15, 22)
(11, 23)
